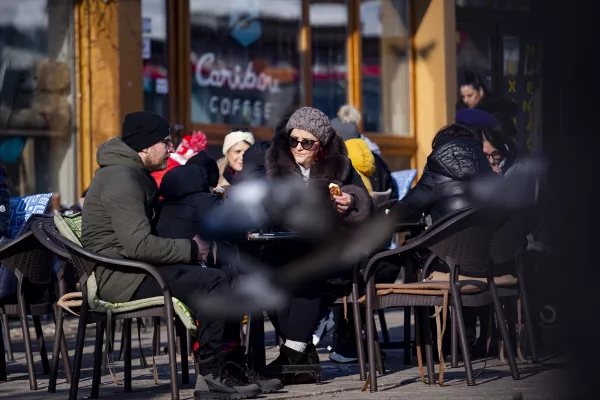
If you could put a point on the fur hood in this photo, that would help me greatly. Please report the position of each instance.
(333, 166)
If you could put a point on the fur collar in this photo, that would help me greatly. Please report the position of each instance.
(332, 167)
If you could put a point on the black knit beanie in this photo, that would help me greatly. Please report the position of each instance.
(143, 129)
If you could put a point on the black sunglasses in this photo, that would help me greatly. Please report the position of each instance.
(305, 143)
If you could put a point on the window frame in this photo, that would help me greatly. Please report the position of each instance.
(401, 144)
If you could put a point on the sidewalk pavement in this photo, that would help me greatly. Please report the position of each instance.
(340, 380)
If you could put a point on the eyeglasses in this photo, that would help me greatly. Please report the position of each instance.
(168, 142)
(496, 156)
(305, 143)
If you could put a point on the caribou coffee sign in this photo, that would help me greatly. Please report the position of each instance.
(247, 91)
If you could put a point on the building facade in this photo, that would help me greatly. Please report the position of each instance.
(78, 67)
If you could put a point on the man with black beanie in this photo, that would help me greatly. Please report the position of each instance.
(118, 222)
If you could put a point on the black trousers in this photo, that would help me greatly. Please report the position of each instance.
(191, 284)
(298, 319)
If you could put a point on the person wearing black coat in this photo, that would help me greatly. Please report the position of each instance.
(187, 199)
(456, 158)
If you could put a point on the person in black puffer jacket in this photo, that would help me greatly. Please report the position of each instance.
(456, 158)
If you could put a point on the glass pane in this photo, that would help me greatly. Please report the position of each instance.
(474, 53)
(245, 60)
(522, 84)
(329, 24)
(154, 53)
(385, 69)
(36, 86)
(511, 55)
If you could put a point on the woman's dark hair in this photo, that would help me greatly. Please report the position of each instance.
(454, 131)
(503, 143)
(474, 80)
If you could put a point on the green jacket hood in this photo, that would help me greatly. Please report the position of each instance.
(116, 152)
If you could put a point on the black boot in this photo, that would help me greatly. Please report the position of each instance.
(223, 380)
(266, 384)
(295, 367)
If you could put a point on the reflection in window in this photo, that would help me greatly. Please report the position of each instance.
(385, 69)
(245, 60)
(511, 55)
(36, 140)
(155, 56)
(474, 53)
(329, 22)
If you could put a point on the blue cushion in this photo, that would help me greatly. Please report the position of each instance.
(404, 180)
(21, 208)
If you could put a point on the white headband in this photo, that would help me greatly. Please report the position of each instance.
(235, 137)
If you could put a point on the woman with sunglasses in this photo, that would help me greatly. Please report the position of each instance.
(308, 148)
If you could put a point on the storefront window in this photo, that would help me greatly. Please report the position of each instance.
(154, 53)
(329, 25)
(385, 66)
(245, 60)
(37, 146)
(474, 54)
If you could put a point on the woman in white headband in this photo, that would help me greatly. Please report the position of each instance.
(234, 146)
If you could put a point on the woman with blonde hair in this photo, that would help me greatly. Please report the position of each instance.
(234, 146)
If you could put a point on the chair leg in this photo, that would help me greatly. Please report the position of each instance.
(41, 344)
(370, 323)
(501, 322)
(97, 371)
(529, 324)
(66, 359)
(127, 355)
(27, 339)
(3, 376)
(172, 354)
(9, 350)
(425, 328)
(56, 348)
(454, 339)
(78, 351)
(407, 335)
(123, 341)
(183, 338)
(384, 329)
(156, 336)
(462, 334)
(510, 308)
(358, 333)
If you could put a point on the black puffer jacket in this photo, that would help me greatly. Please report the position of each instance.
(382, 178)
(443, 186)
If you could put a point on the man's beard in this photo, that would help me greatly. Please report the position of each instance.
(162, 166)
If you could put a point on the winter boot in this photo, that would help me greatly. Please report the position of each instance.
(223, 380)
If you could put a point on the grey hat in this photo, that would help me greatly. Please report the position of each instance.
(347, 130)
(314, 121)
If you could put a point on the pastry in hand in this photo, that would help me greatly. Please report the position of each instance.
(334, 190)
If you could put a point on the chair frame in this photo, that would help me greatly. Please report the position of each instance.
(22, 255)
(435, 239)
(85, 262)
